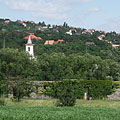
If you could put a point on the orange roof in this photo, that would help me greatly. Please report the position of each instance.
(32, 36)
(32, 22)
(60, 25)
(60, 40)
(29, 44)
(21, 22)
(101, 36)
(91, 30)
(6, 21)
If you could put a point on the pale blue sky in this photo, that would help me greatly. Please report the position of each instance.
(96, 14)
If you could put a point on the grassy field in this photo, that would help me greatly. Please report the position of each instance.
(52, 102)
(46, 110)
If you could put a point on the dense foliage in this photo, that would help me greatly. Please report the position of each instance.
(72, 89)
(15, 70)
(15, 65)
(80, 55)
(64, 91)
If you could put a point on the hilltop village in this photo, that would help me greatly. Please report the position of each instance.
(17, 32)
(61, 51)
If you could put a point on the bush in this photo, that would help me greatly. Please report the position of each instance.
(66, 94)
(64, 91)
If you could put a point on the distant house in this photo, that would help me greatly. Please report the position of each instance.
(6, 21)
(101, 31)
(60, 40)
(71, 31)
(50, 27)
(24, 25)
(22, 22)
(84, 31)
(45, 27)
(55, 42)
(60, 25)
(32, 22)
(101, 37)
(89, 43)
(56, 30)
(89, 31)
(32, 36)
(115, 45)
(49, 42)
(39, 28)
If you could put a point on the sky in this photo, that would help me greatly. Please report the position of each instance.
(89, 14)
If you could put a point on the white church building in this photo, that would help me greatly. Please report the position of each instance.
(30, 48)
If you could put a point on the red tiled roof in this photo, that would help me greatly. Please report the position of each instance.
(21, 22)
(60, 40)
(101, 36)
(32, 36)
(60, 25)
(6, 21)
(29, 44)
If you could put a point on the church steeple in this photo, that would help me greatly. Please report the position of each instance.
(29, 42)
(29, 47)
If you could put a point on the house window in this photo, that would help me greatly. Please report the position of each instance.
(28, 48)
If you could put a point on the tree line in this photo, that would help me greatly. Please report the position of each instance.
(56, 66)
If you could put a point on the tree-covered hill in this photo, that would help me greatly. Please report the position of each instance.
(81, 41)
(76, 53)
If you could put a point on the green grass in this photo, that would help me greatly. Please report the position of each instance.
(52, 102)
(31, 102)
(46, 110)
(58, 113)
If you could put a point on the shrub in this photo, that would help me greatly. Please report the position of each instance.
(66, 93)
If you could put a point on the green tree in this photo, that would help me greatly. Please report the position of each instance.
(16, 67)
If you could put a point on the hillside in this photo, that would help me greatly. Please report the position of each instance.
(63, 39)
(62, 52)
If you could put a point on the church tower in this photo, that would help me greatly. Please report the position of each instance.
(29, 47)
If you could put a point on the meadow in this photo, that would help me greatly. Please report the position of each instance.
(46, 110)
